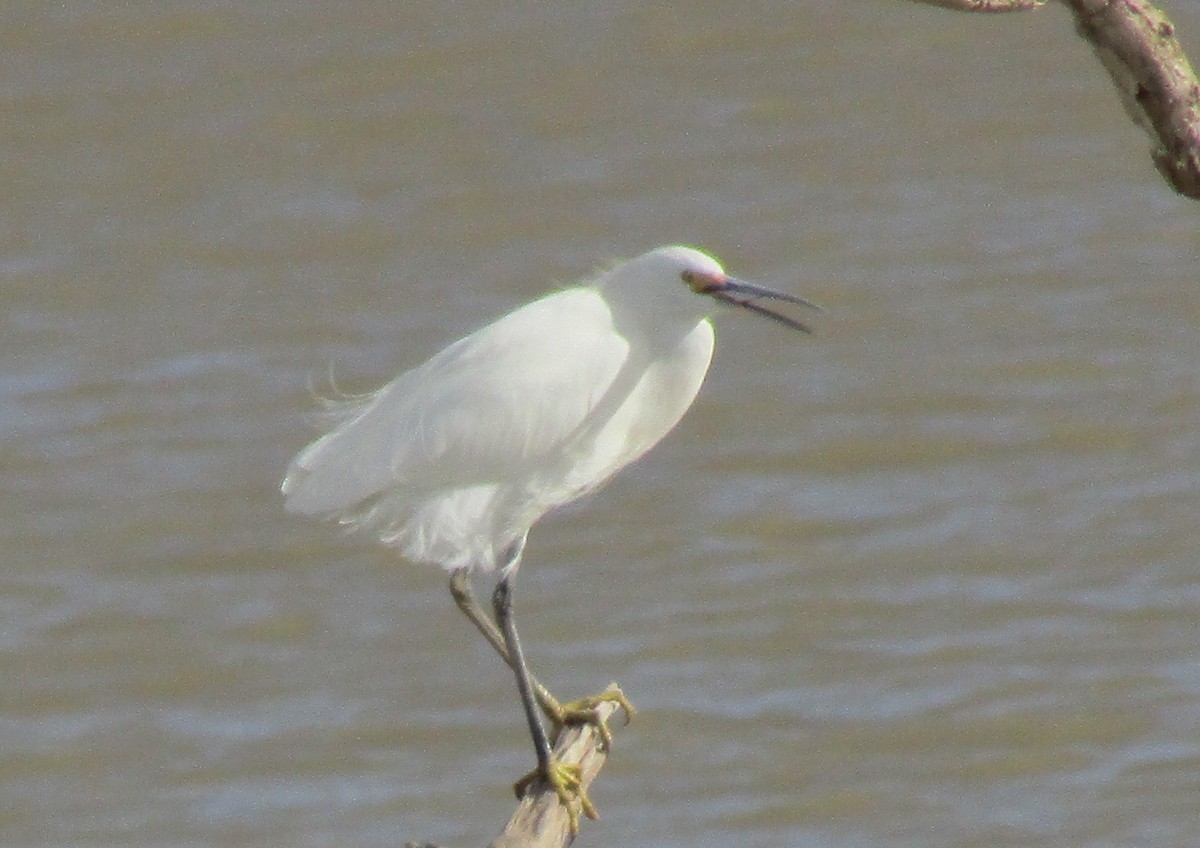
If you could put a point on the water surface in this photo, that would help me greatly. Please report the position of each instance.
(927, 579)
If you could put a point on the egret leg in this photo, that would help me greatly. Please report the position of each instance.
(564, 778)
(578, 711)
(460, 590)
(502, 601)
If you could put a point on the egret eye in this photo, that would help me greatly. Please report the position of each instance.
(695, 280)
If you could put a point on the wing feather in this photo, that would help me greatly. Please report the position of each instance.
(485, 409)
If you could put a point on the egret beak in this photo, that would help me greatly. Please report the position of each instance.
(736, 293)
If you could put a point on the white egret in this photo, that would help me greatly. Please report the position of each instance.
(453, 462)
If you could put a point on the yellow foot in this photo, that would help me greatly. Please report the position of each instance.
(565, 781)
(584, 711)
(565, 778)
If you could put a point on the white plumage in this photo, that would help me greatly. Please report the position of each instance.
(453, 461)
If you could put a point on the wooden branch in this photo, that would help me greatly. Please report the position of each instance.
(541, 821)
(1136, 44)
(986, 5)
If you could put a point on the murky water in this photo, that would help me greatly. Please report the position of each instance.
(927, 579)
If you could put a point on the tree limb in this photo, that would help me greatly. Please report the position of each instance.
(986, 5)
(541, 821)
(1136, 44)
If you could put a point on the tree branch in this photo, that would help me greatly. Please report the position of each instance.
(986, 5)
(1136, 44)
(541, 821)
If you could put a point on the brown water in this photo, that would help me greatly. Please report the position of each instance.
(928, 579)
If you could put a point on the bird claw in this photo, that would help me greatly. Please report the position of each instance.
(586, 711)
(566, 779)
(566, 782)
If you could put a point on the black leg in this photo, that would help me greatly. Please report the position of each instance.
(563, 778)
(502, 602)
(460, 590)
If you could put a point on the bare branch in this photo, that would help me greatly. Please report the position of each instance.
(541, 821)
(1136, 44)
(986, 5)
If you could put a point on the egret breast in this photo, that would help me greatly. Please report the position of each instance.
(654, 398)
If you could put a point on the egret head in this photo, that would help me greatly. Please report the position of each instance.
(702, 274)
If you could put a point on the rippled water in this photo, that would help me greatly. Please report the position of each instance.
(927, 579)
